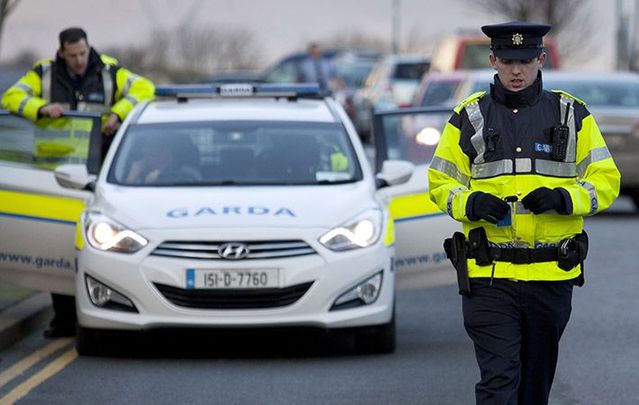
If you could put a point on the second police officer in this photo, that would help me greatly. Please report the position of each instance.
(519, 167)
(79, 79)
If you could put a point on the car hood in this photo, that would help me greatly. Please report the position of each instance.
(299, 206)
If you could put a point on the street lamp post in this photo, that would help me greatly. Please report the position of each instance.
(395, 23)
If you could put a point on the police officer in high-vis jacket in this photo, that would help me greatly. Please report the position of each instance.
(519, 167)
(79, 79)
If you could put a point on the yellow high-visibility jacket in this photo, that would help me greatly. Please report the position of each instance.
(106, 87)
(500, 143)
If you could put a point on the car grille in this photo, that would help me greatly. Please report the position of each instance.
(233, 299)
(209, 250)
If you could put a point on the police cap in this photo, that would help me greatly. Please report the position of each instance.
(516, 39)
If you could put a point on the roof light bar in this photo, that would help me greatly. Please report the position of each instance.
(239, 90)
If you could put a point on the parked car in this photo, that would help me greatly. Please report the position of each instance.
(221, 206)
(391, 84)
(351, 67)
(467, 51)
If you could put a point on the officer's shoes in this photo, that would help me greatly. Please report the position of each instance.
(58, 332)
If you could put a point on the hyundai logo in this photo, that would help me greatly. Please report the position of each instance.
(233, 250)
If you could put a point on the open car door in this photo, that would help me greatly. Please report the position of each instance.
(420, 227)
(38, 217)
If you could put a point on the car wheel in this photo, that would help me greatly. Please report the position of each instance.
(87, 342)
(377, 339)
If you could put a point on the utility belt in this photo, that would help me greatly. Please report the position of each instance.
(569, 253)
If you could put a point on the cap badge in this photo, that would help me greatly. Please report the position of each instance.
(518, 39)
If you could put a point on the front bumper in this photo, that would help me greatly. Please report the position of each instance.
(330, 274)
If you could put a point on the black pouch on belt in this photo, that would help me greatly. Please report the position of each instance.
(479, 249)
(575, 252)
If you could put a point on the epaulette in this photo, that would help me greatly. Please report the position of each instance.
(109, 60)
(470, 99)
(42, 62)
(566, 94)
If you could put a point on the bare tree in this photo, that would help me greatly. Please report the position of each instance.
(570, 20)
(356, 40)
(189, 53)
(6, 7)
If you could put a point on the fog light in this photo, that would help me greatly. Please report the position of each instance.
(364, 293)
(98, 292)
(103, 296)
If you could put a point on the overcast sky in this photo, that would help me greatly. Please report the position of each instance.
(280, 26)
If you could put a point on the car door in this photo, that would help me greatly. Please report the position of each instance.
(420, 227)
(38, 217)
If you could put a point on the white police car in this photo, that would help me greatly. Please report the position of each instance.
(236, 206)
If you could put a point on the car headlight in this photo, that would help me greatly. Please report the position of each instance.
(105, 234)
(361, 232)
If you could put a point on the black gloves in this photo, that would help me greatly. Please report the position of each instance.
(544, 199)
(486, 206)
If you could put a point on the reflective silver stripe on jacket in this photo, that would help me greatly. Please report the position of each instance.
(46, 81)
(131, 100)
(477, 121)
(449, 168)
(107, 83)
(594, 203)
(451, 196)
(129, 82)
(523, 165)
(572, 133)
(557, 169)
(492, 169)
(23, 104)
(595, 155)
(24, 87)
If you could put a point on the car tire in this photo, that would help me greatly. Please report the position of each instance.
(87, 342)
(377, 339)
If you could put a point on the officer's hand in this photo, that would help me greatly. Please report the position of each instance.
(486, 206)
(544, 199)
(111, 125)
(53, 110)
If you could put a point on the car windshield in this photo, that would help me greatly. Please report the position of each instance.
(234, 153)
(410, 71)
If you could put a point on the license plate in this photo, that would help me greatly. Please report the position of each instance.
(232, 278)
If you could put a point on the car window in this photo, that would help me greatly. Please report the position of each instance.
(410, 71)
(413, 135)
(286, 72)
(475, 56)
(235, 153)
(48, 142)
(439, 93)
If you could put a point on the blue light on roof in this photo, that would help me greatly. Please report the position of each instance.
(239, 90)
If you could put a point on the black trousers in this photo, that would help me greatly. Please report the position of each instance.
(64, 316)
(515, 328)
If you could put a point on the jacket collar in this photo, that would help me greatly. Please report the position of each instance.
(515, 99)
(95, 64)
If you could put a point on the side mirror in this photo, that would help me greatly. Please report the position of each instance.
(395, 172)
(74, 176)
